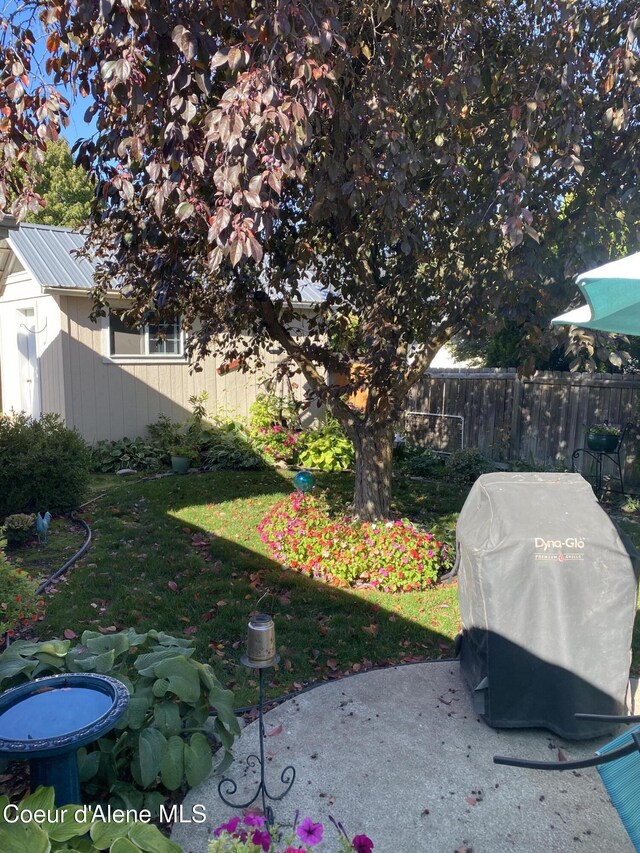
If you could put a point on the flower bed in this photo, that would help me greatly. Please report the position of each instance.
(252, 835)
(395, 556)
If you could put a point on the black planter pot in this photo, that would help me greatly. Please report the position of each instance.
(602, 442)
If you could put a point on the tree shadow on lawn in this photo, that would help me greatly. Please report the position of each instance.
(183, 555)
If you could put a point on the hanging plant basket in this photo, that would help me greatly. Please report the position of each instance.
(602, 442)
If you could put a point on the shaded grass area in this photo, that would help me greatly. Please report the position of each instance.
(182, 554)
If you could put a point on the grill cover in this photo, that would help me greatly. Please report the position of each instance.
(547, 592)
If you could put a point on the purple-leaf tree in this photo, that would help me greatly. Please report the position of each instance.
(429, 165)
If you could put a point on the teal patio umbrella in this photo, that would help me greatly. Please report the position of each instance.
(612, 292)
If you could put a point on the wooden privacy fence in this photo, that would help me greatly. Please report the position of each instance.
(539, 420)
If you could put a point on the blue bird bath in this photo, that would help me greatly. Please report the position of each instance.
(47, 720)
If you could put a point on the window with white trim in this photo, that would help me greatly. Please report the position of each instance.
(161, 340)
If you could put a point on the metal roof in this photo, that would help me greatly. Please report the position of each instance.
(47, 252)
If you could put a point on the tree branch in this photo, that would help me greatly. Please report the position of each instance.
(347, 417)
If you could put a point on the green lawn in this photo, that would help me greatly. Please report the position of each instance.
(182, 554)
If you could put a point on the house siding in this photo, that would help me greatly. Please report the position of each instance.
(108, 400)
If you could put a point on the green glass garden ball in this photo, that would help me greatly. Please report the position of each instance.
(304, 481)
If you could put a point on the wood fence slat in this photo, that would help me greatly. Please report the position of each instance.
(541, 419)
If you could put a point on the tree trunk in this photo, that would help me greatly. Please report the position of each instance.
(374, 451)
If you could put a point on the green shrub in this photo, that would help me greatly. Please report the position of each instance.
(421, 462)
(65, 828)
(160, 744)
(109, 456)
(19, 528)
(465, 466)
(165, 433)
(302, 534)
(270, 409)
(326, 448)
(43, 465)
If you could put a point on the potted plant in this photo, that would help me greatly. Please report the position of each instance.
(182, 455)
(603, 437)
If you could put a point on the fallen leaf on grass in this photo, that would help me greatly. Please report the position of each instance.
(188, 632)
(332, 664)
(69, 634)
(173, 586)
(110, 629)
(372, 629)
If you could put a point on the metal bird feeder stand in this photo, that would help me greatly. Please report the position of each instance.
(261, 655)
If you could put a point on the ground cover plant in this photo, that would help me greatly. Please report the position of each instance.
(183, 555)
(19, 600)
(302, 533)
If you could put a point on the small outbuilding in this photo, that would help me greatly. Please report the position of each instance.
(106, 379)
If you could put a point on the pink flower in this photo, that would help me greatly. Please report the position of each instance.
(362, 844)
(229, 827)
(310, 832)
(257, 820)
(261, 839)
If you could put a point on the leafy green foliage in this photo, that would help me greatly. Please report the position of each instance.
(165, 434)
(159, 744)
(465, 466)
(411, 159)
(422, 462)
(65, 189)
(276, 443)
(19, 602)
(19, 528)
(65, 829)
(327, 448)
(43, 465)
(270, 409)
(301, 533)
(231, 448)
(110, 456)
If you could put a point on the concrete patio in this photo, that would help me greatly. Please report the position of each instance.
(399, 755)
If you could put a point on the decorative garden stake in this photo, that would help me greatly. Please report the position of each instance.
(304, 481)
(261, 654)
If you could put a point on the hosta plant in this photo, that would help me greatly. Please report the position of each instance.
(110, 456)
(35, 825)
(395, 556)
(160, 745)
